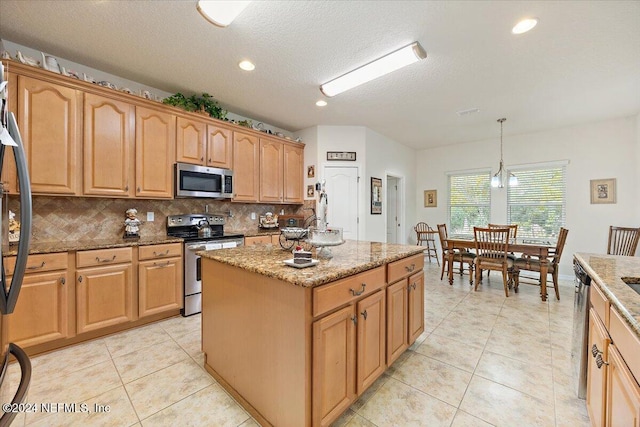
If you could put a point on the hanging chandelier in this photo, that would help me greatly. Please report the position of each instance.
(498, 179)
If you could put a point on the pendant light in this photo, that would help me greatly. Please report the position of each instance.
(498, 179)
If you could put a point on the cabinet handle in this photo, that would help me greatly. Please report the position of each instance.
(600, 362)
(364, 314)
(165, 253)
(356, 293)
(162, 264)
(63, 281)
(595, 351)
(126, 188)
(209, 160)
(412, 286)
(138, 189)
(410, 268)
(201, 159)
(80, 279)
(354, 319)
(105, 259)
(36, 267)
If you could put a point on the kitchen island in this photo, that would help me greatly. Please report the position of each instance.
(297, 346)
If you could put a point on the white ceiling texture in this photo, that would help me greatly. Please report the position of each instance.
(580, 64)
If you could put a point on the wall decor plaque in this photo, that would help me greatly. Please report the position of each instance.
(341, 155)
(603, 191)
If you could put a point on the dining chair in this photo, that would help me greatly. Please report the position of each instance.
(513, 232)
(533, 264)
(460, 256)
(492, 247)
(623, 240)
(425, 234)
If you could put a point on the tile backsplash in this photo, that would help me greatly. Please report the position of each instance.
(79, 218)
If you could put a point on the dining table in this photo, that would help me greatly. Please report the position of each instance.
(526, 247)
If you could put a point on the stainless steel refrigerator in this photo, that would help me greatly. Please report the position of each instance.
(10, 136)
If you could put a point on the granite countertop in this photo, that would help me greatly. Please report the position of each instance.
(257, 232)
(81, 245)
(606, 271)
(348, 259)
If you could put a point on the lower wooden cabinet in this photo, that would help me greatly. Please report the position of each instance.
(262, 240)
(623, 393)
(159, 286)
(371, 340)
(415, 295)
(397, 312)
(597, 371)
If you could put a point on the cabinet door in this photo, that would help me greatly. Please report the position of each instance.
(108, 146)
(293, 174)
(371, 338)
(246, 167)
(41, 312)
(416, 306)
(257, 240)
(159, 285)
(191, 136)
(155, 153)
(333, 366)
(50, 123)
(597, 375)
(219, 147)
(271, 171)
(104, 297)
(397, 336)
(623, 393)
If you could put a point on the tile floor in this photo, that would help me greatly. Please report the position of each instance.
(484, 360)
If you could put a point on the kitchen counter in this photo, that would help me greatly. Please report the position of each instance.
(606, 271)
(257, 232)
(81, 245)
(348, 259)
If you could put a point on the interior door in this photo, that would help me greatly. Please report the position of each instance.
(342, 196)
(392, 209)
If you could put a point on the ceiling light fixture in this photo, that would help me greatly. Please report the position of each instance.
(321, 103)
(246, 65)
(498, 179)
(219, 12)
(524, 25)
(381, 66)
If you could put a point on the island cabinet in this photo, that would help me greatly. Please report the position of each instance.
(159, 278)
(104, 288)
(50, 121)
(296, 347)
(42, 312)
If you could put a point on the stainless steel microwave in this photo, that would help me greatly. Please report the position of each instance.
(203, 181)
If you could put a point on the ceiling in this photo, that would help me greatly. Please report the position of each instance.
(580, 64)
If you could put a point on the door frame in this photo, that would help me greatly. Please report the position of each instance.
(401, 234)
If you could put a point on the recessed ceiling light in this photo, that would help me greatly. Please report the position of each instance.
(524, 25)
(220, 12)
(247, 65)
(381, 66)
(321, 103)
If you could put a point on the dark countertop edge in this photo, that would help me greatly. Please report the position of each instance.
(633, 323)
(311, 283)
(84, 245)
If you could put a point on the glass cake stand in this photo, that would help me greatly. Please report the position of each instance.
(324, 239)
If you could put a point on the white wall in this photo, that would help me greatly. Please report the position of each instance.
(607, 149)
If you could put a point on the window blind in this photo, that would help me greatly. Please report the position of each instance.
(538, 203)
(469, 202)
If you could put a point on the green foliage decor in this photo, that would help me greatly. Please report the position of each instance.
(195, 103)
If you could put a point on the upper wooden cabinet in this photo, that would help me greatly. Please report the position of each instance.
(293, 173)
(271, 171)
(246, 164)
(108, 146)
(155, 148)
(49, 117)
(191, 136)
(9, 172)
(219, 147)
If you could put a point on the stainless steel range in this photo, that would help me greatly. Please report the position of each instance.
(189, 228)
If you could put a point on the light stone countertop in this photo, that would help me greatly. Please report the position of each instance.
(88, 244)
(606, 271)
(348, 259)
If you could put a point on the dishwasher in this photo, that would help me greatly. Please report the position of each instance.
(580, 339)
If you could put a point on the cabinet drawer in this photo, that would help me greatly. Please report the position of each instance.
(627, 342)
(333, 295)
(103, 257)
(404, 267)
(600, 304)
(257, 240)
(38, 263)
(159, 251)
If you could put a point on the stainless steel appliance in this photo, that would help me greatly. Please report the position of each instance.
(203, 181)
(10, 136)
(187, 227)
(580, 341)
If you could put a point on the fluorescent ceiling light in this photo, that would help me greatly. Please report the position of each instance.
(221, 13)
(385, 65)
(524, 25)
(247, 65)
(321, 103)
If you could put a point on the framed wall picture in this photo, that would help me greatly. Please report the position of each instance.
(430, 198)
(311, 171)
(376, 196)
(310, 191)
(603, 191)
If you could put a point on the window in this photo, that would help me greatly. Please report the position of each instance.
(538, 203)
(469, 202)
